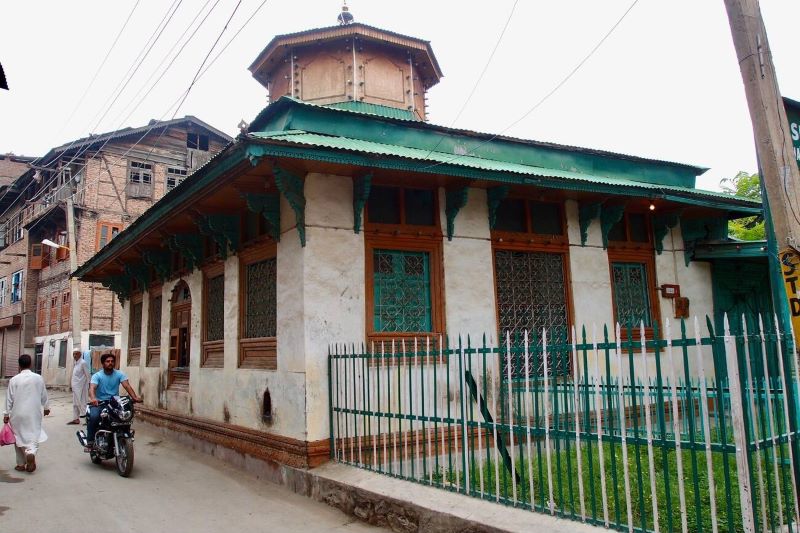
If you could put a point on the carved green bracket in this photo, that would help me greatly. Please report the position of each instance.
(694, 230)
(139, 272)
(362, 185)
(120, 285)
(160, 260)
(495, 195)
(268, 206)
(223, 229)
(610, 215)
(455, 200)
(291, 187)
(189, 246)
(661, 226)
(586, 213)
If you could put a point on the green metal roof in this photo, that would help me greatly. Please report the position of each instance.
(366, 108)
(438, 162)
(730, 249)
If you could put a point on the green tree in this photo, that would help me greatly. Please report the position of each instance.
(747, 186)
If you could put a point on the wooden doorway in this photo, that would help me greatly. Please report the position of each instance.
(180, 335)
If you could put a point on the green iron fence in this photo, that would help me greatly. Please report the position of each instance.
(676, 433)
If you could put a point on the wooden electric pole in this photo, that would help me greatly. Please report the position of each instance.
(780, 174)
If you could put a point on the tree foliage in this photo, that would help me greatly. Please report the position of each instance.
(747, 186)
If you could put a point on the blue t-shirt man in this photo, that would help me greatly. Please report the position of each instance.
(107, 384)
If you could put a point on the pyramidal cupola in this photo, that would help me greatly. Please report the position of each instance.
(349, 65)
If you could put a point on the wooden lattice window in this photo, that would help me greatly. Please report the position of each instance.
(54, 314)
(259, 307)
(41, 318)
(135, 332)
(214, 316)
(402, 291)
(65, 311)
(154, 330)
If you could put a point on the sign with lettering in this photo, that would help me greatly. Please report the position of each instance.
(790, 267)
(793, 114)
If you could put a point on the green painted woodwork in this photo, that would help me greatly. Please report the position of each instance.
(375, 109)
(291, 187)
(731, 250)
(739, 288)
(402, 291)
(661, 226)
(631, 295)
(586, 213)
(223, 229)
(694, 230)
(495, 195)
(119, 284)
(288, 113)
(189, 246)
(160, 260)
(362, 185)
(139, 272)
(455, 200)
(268, 206)
(609, 215)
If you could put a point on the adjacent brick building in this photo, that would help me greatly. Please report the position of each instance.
(78, 197)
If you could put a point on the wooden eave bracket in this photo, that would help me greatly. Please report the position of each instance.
(269, 207)
(586, 213)
(495, 195)
(189, 246)
(160, 260)
(223, 229)
(698, 229)
(455, 200)
(139, 272)
(661, 226)
(362, 185)
(608, 215)
(291, 188)
(119, 284)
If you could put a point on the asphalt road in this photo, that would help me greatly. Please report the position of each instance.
(172, 489)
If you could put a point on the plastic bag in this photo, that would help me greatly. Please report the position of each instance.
(6, 435)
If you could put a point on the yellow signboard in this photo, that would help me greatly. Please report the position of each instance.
(790, 268)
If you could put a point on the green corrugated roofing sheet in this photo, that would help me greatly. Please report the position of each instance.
(440, 159)
(376, 110)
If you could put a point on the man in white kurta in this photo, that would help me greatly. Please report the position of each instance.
(80, 387)
(26, 397)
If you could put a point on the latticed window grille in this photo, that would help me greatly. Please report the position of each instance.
(215, 309)
(402, 291)
(631, 296)
(531, 295)
(261, 305)
(135, 337)
(154, 329)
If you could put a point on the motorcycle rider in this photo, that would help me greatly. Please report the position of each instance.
(104, 386)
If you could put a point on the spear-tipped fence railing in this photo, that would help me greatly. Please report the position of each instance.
(695, 430)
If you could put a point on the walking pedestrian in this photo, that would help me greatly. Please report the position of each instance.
(26, 396)
(80, 387)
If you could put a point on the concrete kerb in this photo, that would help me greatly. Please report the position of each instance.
(379, 500)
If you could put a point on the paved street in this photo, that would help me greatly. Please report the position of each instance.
(171, 489)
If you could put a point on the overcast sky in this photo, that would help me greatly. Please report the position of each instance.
(665, 85)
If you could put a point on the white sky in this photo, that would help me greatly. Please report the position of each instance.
(665, 85)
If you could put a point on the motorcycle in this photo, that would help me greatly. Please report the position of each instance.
(114, 437)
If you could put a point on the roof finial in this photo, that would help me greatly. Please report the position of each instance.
(345, 17)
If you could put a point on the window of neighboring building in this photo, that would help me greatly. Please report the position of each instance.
(135, 331)
(62, 353)
(631, 259)
(140, 179)
(14, 229)
(65, 311)
(53, 314)
(107, 231)
(258, 303)
(174, 177)
(3, 287)
(403, 248)
(16, 286)
(213, 315)
(41, 318)
(197, 141)
(531, 267)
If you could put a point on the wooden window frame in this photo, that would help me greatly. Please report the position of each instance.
(256, 352)
(65, 310)
(41, 319)
(628, 251)
(110, 226)
(3, 286)
(403, 229)
(528, 237)
(175, 174)
(53, 328)
(153, 350)
(136, 184)
(135, 352)
(196, 139)
(212, 352)
(16, 294)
